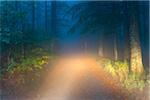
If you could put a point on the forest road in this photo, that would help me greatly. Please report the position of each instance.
(77, 78)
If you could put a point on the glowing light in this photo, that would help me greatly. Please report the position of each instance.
(67, 73)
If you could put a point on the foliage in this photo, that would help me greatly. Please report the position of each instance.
(34, 61)
(134, 82)
(89, 20)
(21, 44)
(119, 70)
(10, 18)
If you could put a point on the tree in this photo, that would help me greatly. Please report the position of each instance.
(53, 23)
(11, 29)
(46, 17)
(53, 17)
(92, 17)
(136, 64)
(126, 31)
(33, 16)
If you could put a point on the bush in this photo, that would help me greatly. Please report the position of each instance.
(119, 70)
(134, 81)
(33, 61)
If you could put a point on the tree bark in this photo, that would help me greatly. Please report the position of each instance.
(33, 16)
(85, 46)
(53, 17)
(136, 64)
(115, 47)
(100, 49)
(53, 24)
(126, 33)
(46, 17)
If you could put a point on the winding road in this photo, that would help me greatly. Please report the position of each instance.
(78, 78)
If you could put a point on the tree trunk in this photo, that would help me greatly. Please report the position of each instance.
(53, 17)
(85, 46)
(53, 24)
(126, 42)
(21, 28)
(115, 47)
(136, 64)
(126, 33)
(46, 17)
(33, 16)
(52, 46)
(100, 49)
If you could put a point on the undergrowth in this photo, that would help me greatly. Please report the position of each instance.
(34, 61)
(29, 68)
(119, 70)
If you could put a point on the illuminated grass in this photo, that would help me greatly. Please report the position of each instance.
(119, 70)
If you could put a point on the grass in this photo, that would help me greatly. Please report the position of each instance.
(34, 61)
(27, 69)
(119, 70)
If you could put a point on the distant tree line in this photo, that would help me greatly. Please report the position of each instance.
(120, 18)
